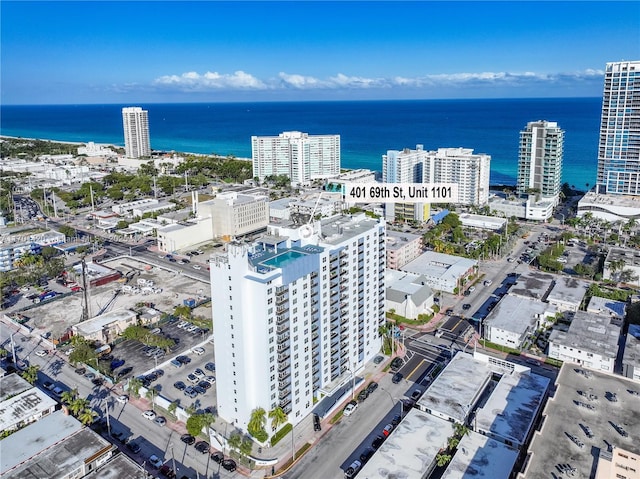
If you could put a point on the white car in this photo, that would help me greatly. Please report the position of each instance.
(210, 379)
(41, 353)
(149, 414)
(198, 351)
(350, 409)
(197, 266)
(122, 399)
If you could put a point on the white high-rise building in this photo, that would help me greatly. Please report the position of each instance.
(300, 156)
(460, 165)
(404, 167)
(135, 122)
(540, 160)
(296, 315)
(619, 146)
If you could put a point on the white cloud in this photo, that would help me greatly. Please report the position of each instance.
(240, 80)
(194, 81)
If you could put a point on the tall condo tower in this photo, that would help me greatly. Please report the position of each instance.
(296, 315)
(540, 159)
(404, 167)
(619, 146)
(300, 156)
(135, 122)
(460, 165)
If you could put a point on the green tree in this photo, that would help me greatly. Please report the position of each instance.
(278, 417)
(87, 416)
(134, 386)
(235, 441)
(172, 408)
(67, 397)
(151, 396)
(31, 374)
(78, 405)
(182, 311)
(443, 459)
(257, 420)
(68, 231)
(246, 446)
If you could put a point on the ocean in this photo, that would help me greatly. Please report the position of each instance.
(367, 129)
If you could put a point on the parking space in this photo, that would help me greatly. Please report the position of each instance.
(140, 358)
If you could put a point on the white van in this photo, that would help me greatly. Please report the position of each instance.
(488, 282)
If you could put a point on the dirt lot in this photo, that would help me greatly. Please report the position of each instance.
(57, 315)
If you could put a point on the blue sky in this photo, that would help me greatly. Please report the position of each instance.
(128, 52)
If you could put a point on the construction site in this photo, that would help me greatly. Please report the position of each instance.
(122, 283)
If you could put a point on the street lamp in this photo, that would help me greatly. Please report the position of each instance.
(173, 460)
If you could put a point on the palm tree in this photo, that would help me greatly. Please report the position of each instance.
(258, 420)
(78, 405)
(235, 441)
(31, 374)
(87, 416)
(278, 417)
(134, 386)
(151, 395)
(246, 446)
(172, 408)
(68, 396)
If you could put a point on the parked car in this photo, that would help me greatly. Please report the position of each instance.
(155, 461)
(122, 399)
(397, 377)
(466, 306)
(188, 439)
(210, 367)
(204, 384)
(48, 385)
(217, 457)
(377, 442)
(149, 414)
(199, 389)
(175, 363)
(80, 371)
(41, 353)
(190, 392)
(363, 395)
(415, 395)
(378, 359)
(134, 447)
(396, 364)
(124, 372)
(160, 421)
(199, 351)
(202, 446)
(351, 408)
(396, 420)
(167, 472)
(351, 471)
(387, 430)
(316, 423)
(229, 465)
(184, 359)
(199, 373)
(366, 455)
(192, 378)
(372, 387)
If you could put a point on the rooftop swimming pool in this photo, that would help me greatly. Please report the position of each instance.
(283, 259)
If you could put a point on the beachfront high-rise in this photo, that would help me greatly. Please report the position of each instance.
(300, 156)
(135, 122)
(619, 146)
(296, 314)
(540, 160)
(404, 167)
(460, 165)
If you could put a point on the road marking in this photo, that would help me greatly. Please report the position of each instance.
(415, 369)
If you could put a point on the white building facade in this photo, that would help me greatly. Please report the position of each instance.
(316, 302)
(540, 156)
(619, 145)
(300, 156)
(460, 165)
(404, 167)
(135, 122)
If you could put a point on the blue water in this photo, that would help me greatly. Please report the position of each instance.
(367, 128)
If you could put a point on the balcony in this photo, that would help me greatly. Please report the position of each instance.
(283, 394)
(285, 402)
(283, 347)
(283, 356)
(284, 366)
(283, 328)
(282, 309)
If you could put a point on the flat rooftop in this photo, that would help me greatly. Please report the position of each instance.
(590, 332)
(11, 385)
(439, 265)
(457, 388)
(27, 404)
(568, 290)
(338, 229)
(94, 325)
(410, 449)
(517, 313)
(630, 257)
(397, 239)
(632, 347)
(606, 306)
(480, 456)
(564, 416)
(532, 284)
(119, 467)
(513, 406)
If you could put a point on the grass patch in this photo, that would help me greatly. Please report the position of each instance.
(499, 347)
(337, 417)
(282, 432)
(422, 319)
(553, 362)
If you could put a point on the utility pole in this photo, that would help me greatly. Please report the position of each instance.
(106, 411)
(85, 306)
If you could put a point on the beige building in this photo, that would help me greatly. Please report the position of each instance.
(619, 464)
(233, 214)
(106, 327)
(402, 248)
